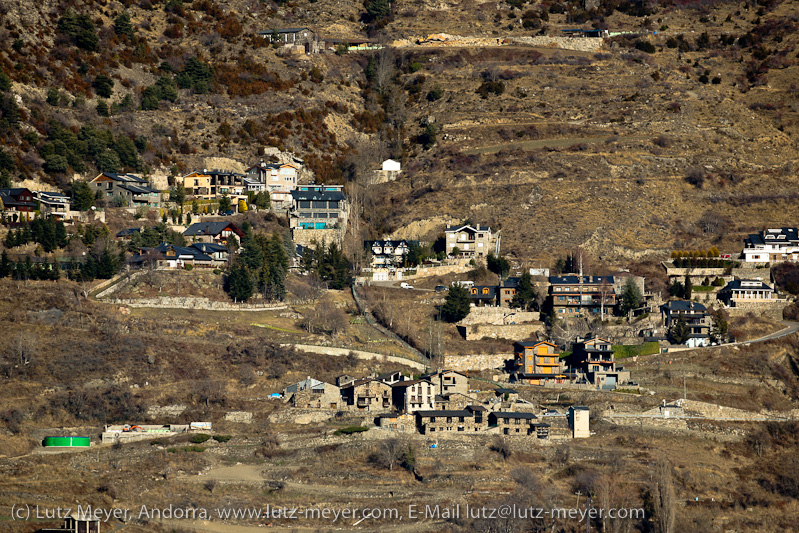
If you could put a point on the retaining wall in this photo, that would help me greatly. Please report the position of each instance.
(476, 361)
(190, 302)
(498, 316)
(490, 331)
(330, 350)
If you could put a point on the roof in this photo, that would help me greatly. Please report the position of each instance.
(476, 408)
(209, 247)
(479, 294)
(211, 228)
(453, 229)
(317, 195)
(503, 390)
(306, 384)
(426, 414)
(571, 279)
(682, 305)
(129, 231)
(512, 415)
(532, 344)
(410, 382)
(579, 408)
(744, 284)
(283, 30)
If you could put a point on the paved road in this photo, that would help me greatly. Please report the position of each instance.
(790, 328)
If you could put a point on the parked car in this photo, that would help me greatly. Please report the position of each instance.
(227, 213)
(441, 288)
(406, 285)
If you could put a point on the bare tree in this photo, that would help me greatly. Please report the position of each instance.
(385, 68)
(663, 493)
(23, 351)
(392, 452)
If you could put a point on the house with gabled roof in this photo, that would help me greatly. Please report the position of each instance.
(18, 201)
(514, 423)
(414, 395)
(772, 245)
(594, 360)
(135, 191)
(216, 232)
(538, 363)
(449, 382)
(318, 207)
(172, 256)
(743, 291)
(312, 393)
(278, 178)
(695, 316)
(471, 419)
(471, 241)
(367, 395)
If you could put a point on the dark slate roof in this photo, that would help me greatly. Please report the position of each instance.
(514, 416)
(492, 292)
(410, 382)
(476, 408)
(183, 250)
(317, 195)
(210, 228)
(137, 188)
(129, 231)
(127, 178)
(426, 414)
(682, 305)
(530, 344)
(573, 280)
(503, 390)
(736, 284)
(579, 408)
(209, 247)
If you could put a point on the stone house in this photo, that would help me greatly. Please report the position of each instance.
(594, 360)
(312, 394)
(472, 419)
(471, 241)
(318, 207)
(695, 316)
(449, 382)
(453, 402)
(572, 295)
(278, 178)
(413, 395)
(508, 423)
(367, 395)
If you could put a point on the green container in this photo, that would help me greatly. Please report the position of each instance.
(68, 442)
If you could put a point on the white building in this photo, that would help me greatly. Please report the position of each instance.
(772, 245)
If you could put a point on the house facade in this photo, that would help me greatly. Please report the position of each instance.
(54, 204)
(318, 207)
(289, 35)
(135, 191)
(772, 245)
(594, 360)
(448, 382)
(19, 202)
(387, 253)
(572, 295)
(695, 316)
(509, 423)
(367, 395)
(312, 394)
(414, 395)
(468, 241)
(213, 232)
(742, 291)
(278, 178)
(538, 363)
(472, 419)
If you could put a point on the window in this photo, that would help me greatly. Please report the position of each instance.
(319, 204)
(333, 204)
(305, 204)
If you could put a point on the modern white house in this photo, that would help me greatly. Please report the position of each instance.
(772, 245)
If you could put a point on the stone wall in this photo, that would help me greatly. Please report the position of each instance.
(330, 350)
(766, 309)
(476, 361)
(477, 332)
(187, 302)
(498, 316)
(594, 44)
(312, 237)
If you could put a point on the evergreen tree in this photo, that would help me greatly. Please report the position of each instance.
(82, 196)
(679, 332)
(5, 265)
(252, 255)
(688, 288)
(456, 307)
(718, 333)
(277, 264)
(122, 25)
(526, 296)
(631, 297)
(108, 264)
(239, 283)
(498, 265)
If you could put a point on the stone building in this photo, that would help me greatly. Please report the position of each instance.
(469, 420)
(312, 394)
(367, 395)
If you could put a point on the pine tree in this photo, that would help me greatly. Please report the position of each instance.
(456, 307)
(5, 265)
(688, 288)
(526, 296)
(239, 283)
(679, 332)
(631, 297)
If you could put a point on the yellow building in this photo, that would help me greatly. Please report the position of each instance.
(538, 363)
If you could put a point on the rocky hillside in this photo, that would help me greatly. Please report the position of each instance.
(678, 134)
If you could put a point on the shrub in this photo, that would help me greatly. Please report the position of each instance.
(222, 438)
(491, 87)
(645, 46)
(199, 438)
(349, 430)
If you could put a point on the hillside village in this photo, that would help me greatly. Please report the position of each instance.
(264, 258)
